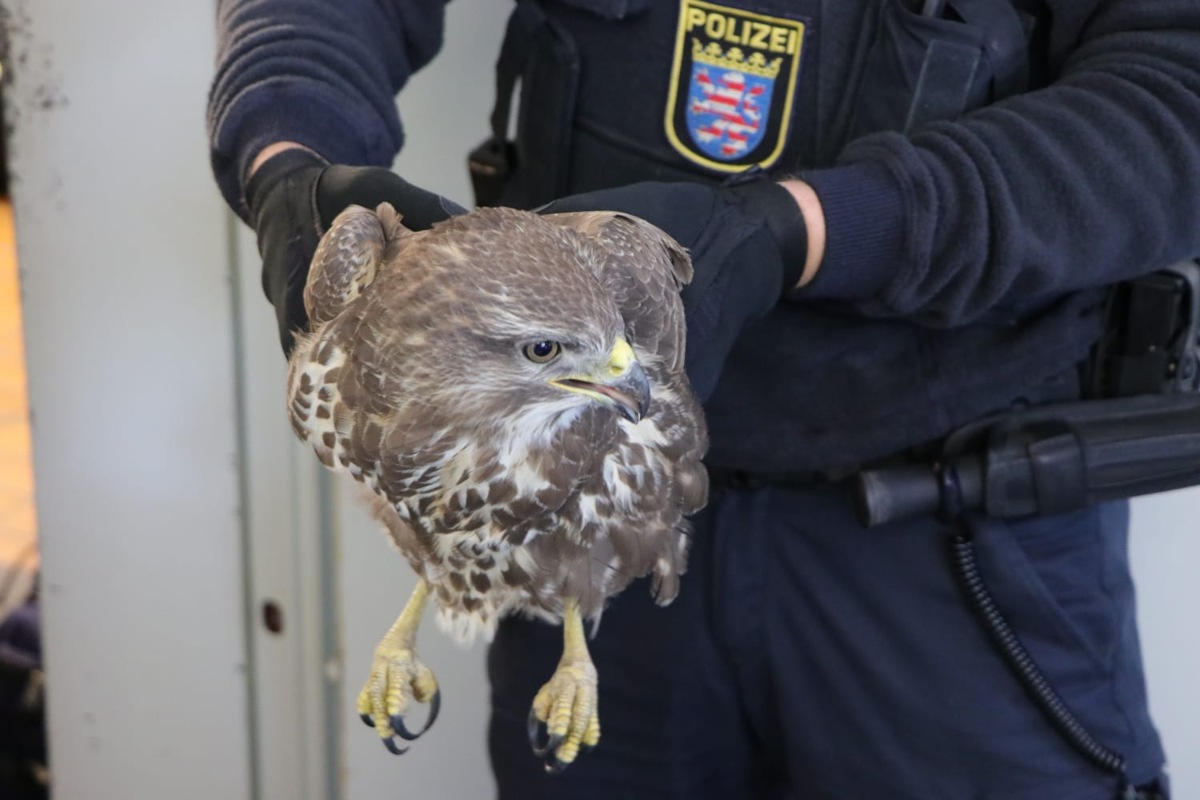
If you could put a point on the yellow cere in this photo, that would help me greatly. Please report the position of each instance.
(621, 357)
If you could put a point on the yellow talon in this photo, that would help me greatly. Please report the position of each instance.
(567, 703)
(591, 736)
(396, 672)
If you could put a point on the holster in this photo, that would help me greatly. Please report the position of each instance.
(540, 60)
(1151, 342)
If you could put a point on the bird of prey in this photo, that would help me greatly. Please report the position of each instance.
(510, 386)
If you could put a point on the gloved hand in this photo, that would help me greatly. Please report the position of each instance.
(748, 243)
(294, 196)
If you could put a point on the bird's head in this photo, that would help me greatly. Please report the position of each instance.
(540, 359)
(525, 323)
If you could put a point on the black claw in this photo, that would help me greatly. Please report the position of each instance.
(586, 748)
(397, 723)
(534, 727)
(554, 766)
(367, 720)
(435, 706)
(393, 747)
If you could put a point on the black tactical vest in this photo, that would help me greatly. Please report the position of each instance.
(618, 91)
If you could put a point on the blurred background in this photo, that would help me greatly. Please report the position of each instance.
(174, 515)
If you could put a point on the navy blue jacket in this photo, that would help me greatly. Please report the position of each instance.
(964, 257)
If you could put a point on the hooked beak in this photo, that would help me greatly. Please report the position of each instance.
(622, 383)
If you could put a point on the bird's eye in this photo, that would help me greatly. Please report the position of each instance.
(542, 352)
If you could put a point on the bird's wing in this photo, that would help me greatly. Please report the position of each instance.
(645, 269)
(350, 392)
(347, 259)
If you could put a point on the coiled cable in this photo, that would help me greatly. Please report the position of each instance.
(1006, 640)
(1023, 665)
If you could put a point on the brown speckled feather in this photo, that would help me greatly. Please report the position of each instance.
(644, 269)
(504, 491)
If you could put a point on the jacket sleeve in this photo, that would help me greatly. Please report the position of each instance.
(1088, 181)
(321, 73)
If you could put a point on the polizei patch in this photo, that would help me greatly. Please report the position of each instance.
(732, 84)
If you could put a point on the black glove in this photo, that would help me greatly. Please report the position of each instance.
(748, 244)
(294, 196)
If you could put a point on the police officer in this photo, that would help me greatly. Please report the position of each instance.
(903, 215)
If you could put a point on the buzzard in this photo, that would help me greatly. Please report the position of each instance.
(510, 387)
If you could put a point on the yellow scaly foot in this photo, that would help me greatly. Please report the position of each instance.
(567, 704)
(396, 672)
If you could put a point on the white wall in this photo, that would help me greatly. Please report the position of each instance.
(123, 253)
(1166, 558)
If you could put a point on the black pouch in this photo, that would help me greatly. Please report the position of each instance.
(610, 9)
(923, 68)
(532, 169)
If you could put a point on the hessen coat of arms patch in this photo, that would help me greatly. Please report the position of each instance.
(732, 84)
